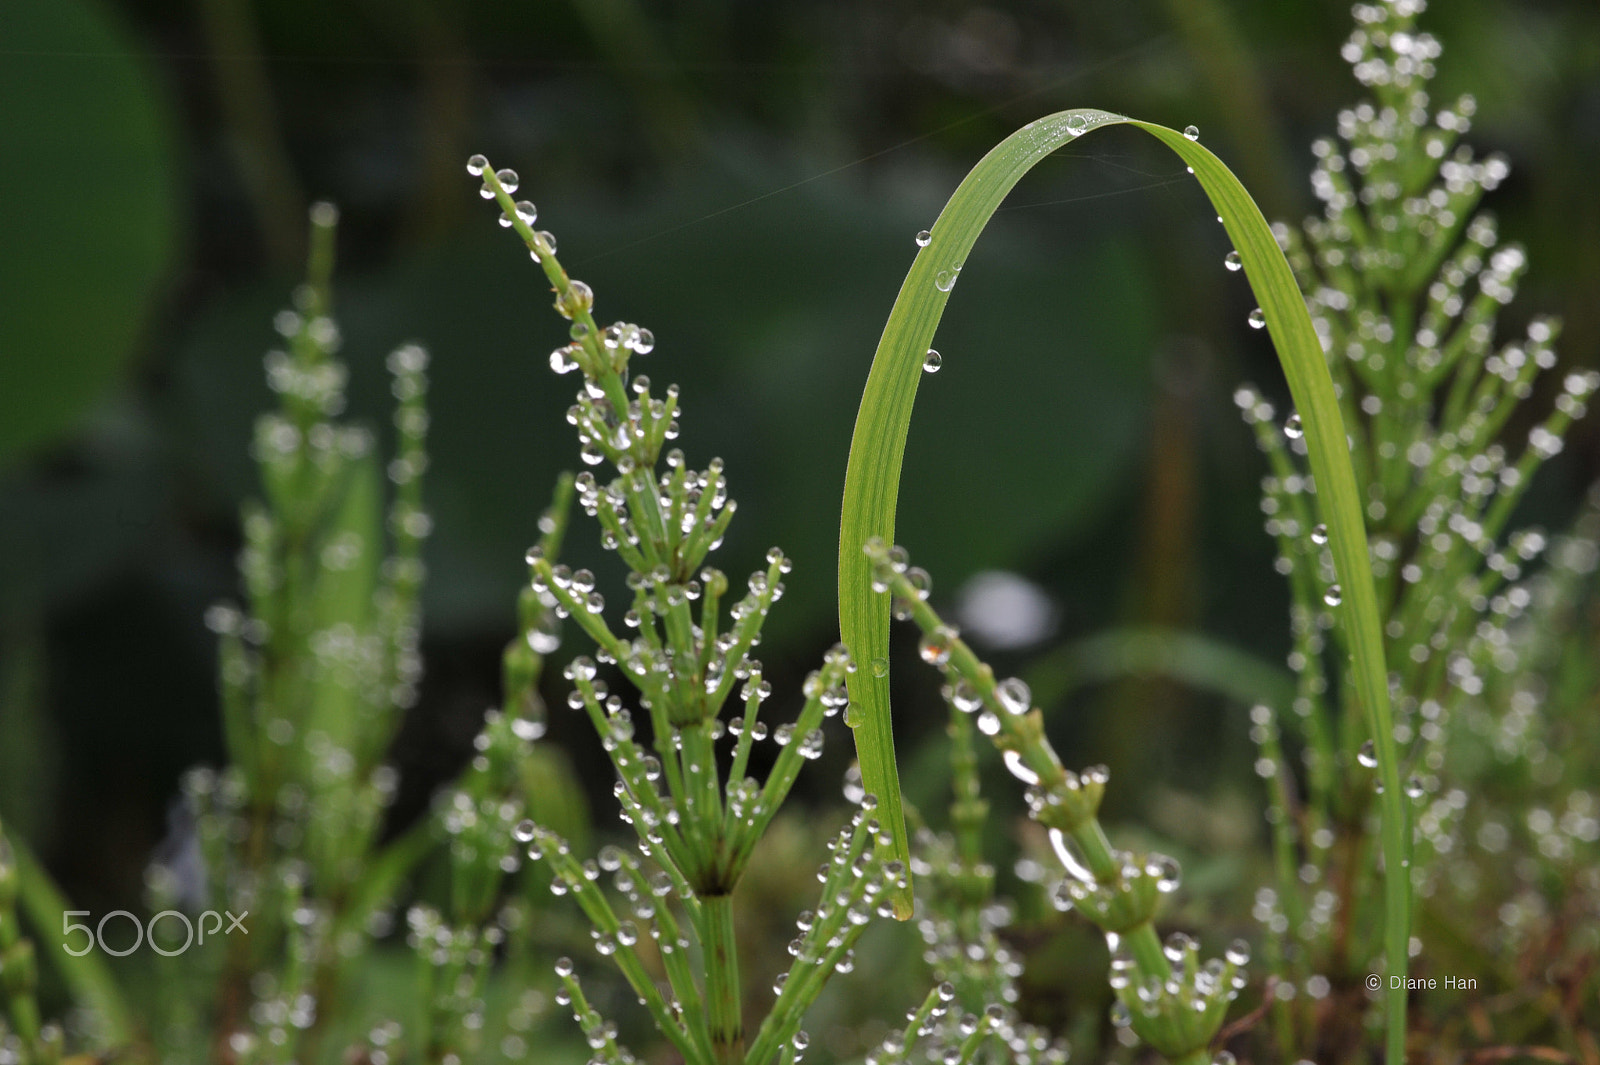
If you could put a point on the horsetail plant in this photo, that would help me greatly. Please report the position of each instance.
(1164, 993)
(696, 827)
(479, 816)
(314, 674)
(1404, 279)
(959, 919)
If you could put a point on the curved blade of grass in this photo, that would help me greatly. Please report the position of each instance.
(878, 447)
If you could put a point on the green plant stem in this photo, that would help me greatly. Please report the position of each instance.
(1141, 940)
(1026, 736)
(830, 938)
(722, 979)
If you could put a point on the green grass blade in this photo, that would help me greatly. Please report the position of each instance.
(878, 448)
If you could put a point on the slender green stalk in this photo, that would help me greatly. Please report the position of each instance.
(722, 979)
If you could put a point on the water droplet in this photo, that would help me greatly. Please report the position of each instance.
(932, 361)
(1333, 596)
(1257, 319)
(1238, 952)
(562, 361)
(1191, 133)
(944, 281)
(936, 646)
(1414, 788)
(1368, 755)
(1319, 534)
(527, 212)
(477, 165)
(923, 238)
(578, 298)
(1067, 852)
(1014, 695)
(1076, 125)
(508, 179)
(1293, 428)
(1165, 869)
(1019, 768)
(1232, 261)
(880, 667)
(854, 715)
(1177, 946)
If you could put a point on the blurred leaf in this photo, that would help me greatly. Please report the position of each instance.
(1196, 660)
(553, 794)
(86, 177)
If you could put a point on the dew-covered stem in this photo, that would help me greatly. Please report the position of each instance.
(686, 649)
(1176, 1004)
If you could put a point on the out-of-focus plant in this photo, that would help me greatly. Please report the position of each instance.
(19, 975)
(1405, 279)
(316, 672)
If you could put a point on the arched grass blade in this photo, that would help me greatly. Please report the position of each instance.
(876, 451)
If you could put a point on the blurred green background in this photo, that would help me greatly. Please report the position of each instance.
(745, 178)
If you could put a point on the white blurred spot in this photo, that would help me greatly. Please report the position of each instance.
(1005, 611)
